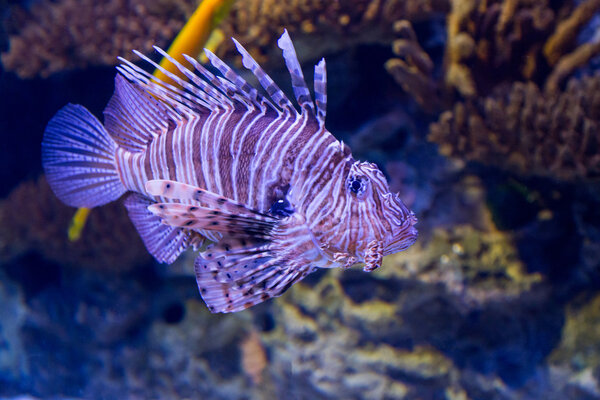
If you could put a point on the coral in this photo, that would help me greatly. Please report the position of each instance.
(386, 337)
(413, 69)
(197, 358)
(578, 353)
(254, 357)
(479, 266)
(568, 64)
(491, 41)
(319, 27)
(71, 34)
(67, 34)
(567, 30)
(415, 327)
(194, 35)
(33, 219)
(528, 132)
(580, 343)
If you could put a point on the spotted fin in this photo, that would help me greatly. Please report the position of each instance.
(184, 192)
(164, 242)
(206, 211)
(204, 218)
(321, 91)
(236, 274)
(265, 80)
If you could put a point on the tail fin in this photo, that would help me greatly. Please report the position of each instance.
(78, 156)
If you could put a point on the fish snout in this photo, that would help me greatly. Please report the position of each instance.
(403, 235)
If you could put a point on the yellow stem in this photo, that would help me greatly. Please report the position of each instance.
(194, 35)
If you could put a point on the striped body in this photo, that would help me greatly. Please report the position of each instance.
(228, 153)
(214, 159)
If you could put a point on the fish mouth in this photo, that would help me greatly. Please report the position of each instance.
(403, 236)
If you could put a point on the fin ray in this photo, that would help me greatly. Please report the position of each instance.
(230, 287)
(132, 117)
(184, 192)
(202, 218)
(321, 91)
(301, 91)
(164, 242)
(78, 156)
(265, 80)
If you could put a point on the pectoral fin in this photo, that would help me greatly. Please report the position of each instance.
(259, 256)
(230, 286)
(207, 211)
(237, 273)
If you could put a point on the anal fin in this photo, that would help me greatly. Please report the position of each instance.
(164, 242)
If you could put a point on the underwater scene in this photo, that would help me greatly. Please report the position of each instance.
(355, 199)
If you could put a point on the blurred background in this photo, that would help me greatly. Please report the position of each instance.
(485, 116)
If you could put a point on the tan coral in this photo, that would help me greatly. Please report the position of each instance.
(77, 33)
(254, 357)
(525, 131)
(413, 68)
(319, 26)
(567, 65)
(489, 41)
(74, 34)
(566, 32)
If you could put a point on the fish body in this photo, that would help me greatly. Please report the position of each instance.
(213, 159)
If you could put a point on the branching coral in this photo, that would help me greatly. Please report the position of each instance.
(413, 68)
(566, 32)
(76, 33)
(71, 33)
(320, 24)
(33, 219)
(489, 41)
(527, 132)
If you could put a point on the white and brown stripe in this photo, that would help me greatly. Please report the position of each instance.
(220, 135)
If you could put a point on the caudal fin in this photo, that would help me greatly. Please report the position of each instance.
(78, 156)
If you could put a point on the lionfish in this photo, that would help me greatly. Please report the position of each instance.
(212, 160)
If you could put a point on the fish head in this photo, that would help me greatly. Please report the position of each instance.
(367, 221)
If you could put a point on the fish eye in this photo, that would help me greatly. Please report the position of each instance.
(357, 185)
(281, 208)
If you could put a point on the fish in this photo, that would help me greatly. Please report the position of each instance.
(253, 182)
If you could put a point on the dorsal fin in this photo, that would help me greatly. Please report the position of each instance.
(298, 83)
(173, 96)
(133, 117)
(321, 91)
(265, 80)
(201, 88)
(206, 92)
(238, 82)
